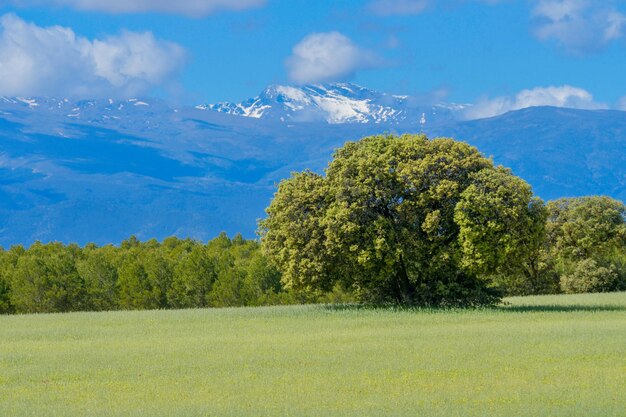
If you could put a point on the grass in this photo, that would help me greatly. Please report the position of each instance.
(554, 355)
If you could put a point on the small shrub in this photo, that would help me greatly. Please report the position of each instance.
(588, 276)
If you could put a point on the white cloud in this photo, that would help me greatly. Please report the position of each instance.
(328, 56)
(579, 26)
(564, 96)
(413, 7)
(193, 8)
(54, 61)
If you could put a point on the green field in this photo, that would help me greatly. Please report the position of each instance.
(552, 356)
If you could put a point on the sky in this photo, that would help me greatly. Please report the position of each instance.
(498, 54)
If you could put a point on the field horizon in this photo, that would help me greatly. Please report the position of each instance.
(543, 355)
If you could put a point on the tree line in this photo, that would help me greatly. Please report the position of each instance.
(403, 220)
(173, 274)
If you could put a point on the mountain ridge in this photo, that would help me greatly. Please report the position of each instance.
(101, 171)
(337, 103)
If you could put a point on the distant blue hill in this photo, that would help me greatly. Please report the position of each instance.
(99, 171)
(561, 152)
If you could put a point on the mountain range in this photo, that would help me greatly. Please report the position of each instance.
(339, 103)
(101, 170)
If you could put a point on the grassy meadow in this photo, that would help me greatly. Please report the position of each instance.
(552, 355)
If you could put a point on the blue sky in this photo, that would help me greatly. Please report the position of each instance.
(496, 52)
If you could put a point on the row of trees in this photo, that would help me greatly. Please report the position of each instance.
(415, 221)
(583, 250)
(402, 220)
(173, 274)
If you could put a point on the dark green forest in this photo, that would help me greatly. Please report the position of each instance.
(173, 274)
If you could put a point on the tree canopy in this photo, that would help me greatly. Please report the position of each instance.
(586, 236)
(177, 273)
(402, 219)
(586, 227)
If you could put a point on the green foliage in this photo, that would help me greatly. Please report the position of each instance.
(382, 222)
(586, 227)
(588, 276)
(503, 231)
(587, 240)
(99, 274)
(263, 281)
(45, 279)
(5, 302)
(193, 278)
(500, 222)
(246, 278)
(177, 273)
(228, 290)
(8, 259)
(541, 278)
(134, 292)
(294, 232)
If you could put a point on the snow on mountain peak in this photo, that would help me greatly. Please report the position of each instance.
(334, 103)
(30, 102)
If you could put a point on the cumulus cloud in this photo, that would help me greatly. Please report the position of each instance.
(328, 56)
(564, 96)
(579, 26)
(193, 8)
(40, 61)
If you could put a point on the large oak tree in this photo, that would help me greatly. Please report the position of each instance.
(402, 219)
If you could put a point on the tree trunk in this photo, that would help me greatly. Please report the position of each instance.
(405, 292)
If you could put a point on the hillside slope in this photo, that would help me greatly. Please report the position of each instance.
(102, 170)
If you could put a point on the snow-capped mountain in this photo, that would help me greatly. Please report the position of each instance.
(100, 170)
(61, 114)
(338, 103)
(84, 110)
